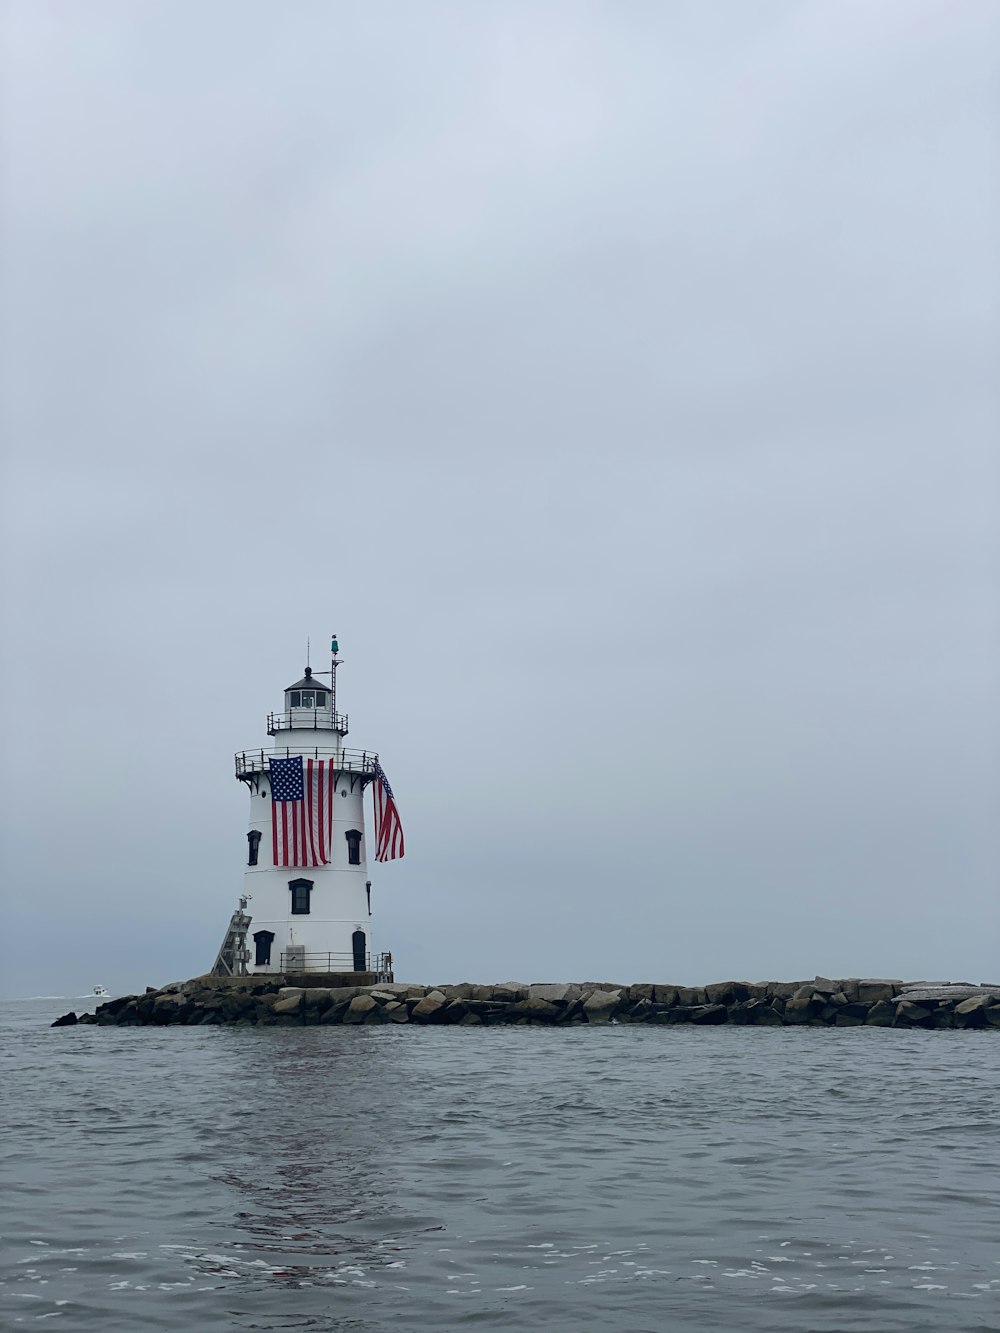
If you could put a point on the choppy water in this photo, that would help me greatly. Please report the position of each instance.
(617, 1178)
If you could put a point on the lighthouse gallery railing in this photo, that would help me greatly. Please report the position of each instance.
(250, 763)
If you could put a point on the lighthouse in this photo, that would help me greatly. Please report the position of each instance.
(307, 894)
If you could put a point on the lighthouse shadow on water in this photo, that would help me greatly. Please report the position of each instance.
(306, 906)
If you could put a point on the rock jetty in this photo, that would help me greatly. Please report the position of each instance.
(273, 1001)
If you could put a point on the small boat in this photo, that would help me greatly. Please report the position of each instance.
(101, 990)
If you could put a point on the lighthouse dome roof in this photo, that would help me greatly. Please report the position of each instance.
(308, 682)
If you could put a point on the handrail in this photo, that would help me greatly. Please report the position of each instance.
(250, 762)
(380, 963)
(306, 719)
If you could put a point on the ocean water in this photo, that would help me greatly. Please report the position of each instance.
(620, 1178)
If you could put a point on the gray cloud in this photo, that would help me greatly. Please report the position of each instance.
(616, 379)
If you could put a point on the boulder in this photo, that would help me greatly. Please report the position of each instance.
(971, 1013)
(763, 1014)
(824, 986)
(882, 1014)
(335, 1013)
(463, 991)
(319, 997)
(397, 1012)
(600, 1005)
(870, 992)
(508, 990)
(554, 994)
(455, 1010)
(665, 994)
(992, 1014)
(727, 992)
(69, 1020)
(287, 1004)
(846, 1020)
(428, 1007)
(537, 1008)
(468, 1020)
(690, 995)
(710, 1014)
(802, 1009)
(359, 1008)
(783, 990)
(909, 1014)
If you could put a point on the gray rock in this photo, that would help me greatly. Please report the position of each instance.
(554, 994)
(428, 1006)
(870, 992)
(359, 1008)
(824, 986)
(600, 1005)
(909, 1014)
(287, 1004)
(802, 1009)
(397, 1012)
(542, 1010)
(690, 995)
(727, 992)
(69, 1020)
(882, 1014)
(762, 1013)
(710, 1014)
(287, 992)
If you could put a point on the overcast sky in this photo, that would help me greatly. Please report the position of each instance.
(616, 378)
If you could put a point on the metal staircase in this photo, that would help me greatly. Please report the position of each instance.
(234, 955)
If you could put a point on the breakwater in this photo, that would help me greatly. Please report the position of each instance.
(332, 999)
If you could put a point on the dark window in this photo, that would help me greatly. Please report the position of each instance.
(253, 839)
(358, 942)
(263, 939)
(301, 889)
(307, 698)
(353, 836)
(321, 698)
(295, 699)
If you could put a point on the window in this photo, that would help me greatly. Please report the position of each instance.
(253, 839)
(353, 836)
(295, 698)
(263, 939)
(301, 889)
(307, 697)
(321, 698)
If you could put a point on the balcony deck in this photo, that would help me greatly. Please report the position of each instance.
(307, 719)
(253, 763)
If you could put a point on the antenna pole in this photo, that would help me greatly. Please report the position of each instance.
(334, 663)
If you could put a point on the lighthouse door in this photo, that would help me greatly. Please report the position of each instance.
(358, 942)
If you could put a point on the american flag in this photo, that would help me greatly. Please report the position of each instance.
(302, 810)
(388, 829)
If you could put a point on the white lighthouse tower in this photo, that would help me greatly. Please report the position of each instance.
(306, 903)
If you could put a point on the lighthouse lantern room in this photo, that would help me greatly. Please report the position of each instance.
(307, 903)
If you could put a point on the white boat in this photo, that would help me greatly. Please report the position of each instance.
(101, 990)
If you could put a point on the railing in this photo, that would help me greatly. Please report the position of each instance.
(252, 763)
(380, 963)
(307, 719)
